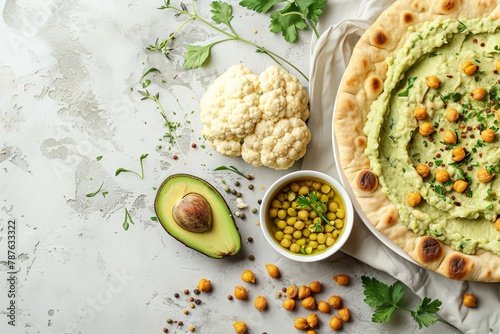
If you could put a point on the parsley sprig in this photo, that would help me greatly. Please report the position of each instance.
(222, 14)
(312, 201)
(121, 170)
(234, 170)
(386, 299)
(295, 15)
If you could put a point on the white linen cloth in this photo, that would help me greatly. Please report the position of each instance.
(329, 57)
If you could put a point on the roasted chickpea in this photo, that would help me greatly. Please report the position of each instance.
(312, 320)
(204, 285)
(311, 331)
(309, 303)
(323, 307)
(452, 114)
(477, 93)
(300, 323)
(426, 129)
(442, 175)
(240, 292)
(449, 137)
(304, 291)
(272, 270)
(488, 135)
(315, 286)
(344, 314)
(484, 176)
(260, 303)
(432, 81)
(414, 198)
(248, 276)
(335, 301)
(422, 170)
(335, 323)
(458, 154)
(289, 304)
(460, 185)
(420, 113)
(497, 224)
(240, 327)
(292, 291)
(341, 279)
(469, 68)
(469, 300)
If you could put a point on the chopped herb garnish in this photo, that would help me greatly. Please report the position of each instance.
(312, 201)
(411, 81)
(99, 158)
(462, 27)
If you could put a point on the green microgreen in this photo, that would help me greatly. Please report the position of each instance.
(122, 170)
(97, 191)
(235, 170)
(128, 220)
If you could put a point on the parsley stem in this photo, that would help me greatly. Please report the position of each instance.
(232, 36)
(311, 24)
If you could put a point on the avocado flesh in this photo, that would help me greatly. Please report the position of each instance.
(221, 240)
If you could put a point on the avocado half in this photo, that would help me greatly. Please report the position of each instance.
(221, 239)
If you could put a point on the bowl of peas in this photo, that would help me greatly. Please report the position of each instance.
(306, 216)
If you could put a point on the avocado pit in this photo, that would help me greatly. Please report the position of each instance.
(193, 213)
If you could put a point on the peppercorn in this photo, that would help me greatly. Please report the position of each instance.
(196, 291)
(250, 186)
(250, 239)
(176, 295)
(237, 183)
(251, 257)
(197, 301)
(186, 291)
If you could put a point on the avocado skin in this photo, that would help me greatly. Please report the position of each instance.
(221, 240)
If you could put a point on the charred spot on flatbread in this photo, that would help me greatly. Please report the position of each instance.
(390, 217)
(379, 39)
(366, 180)
(374, 86)
(448, 6)
(407, 17)
(429, 249)
(458, 266)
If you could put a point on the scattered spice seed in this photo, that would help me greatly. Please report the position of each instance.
(180, 323)
(250, 239)
(250, 186)
(196, 291)
(259, 201)
(254, 210)
(186, 291)
(197, 301)
(191, 305)
(251, 257)
(176, 295)
(191, 328)
(238, 194)
(165, 330)
(237, 183)
(230, 297)
(193, 145)
(185, 312)
(233, 191)
(191, 298)
(227, 189)
(175, 156)
(169, 321)
(242, 216)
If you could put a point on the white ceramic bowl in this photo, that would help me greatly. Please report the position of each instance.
(267, 221)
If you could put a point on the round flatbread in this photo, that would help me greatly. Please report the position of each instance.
(414, 56)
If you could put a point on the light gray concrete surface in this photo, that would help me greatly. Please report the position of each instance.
(70, 72)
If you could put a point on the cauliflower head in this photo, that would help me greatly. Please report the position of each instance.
(258, 117)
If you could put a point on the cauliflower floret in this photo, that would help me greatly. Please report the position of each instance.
(262, 118)
(279, 146)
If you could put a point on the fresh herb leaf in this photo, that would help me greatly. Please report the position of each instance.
(222, 12)
(312, 201)
(99, 158)
(411, 81)
(150, 70)
(95, 192)
(196, 55)
(121, 170)
(425, 315)
(385, 299)
(295, 15)
(234, 170)
(462, 27)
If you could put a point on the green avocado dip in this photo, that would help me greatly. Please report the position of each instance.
(465, 218)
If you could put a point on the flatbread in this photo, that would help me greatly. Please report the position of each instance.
(363, 82)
